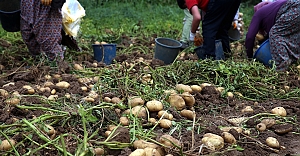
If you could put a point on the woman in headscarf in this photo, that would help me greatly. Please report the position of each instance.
(280, 21)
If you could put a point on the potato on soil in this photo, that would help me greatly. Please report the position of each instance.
(188, 99)
(52, 97)
(63, 84)
(138, 152)
(111, 127)
(165, 123)
(183, 88)
(176, 101)
(169, 141)
(89, 99)
(261, 127)
(124, 121)
(187, 114)
(279, 111)
(163, 113)
(247, 109)
(151, 152)
(48, 129)
(230, 94)
(268, 122)
(107, 99)
(78, 67)
(152, 121)
(98, 151)
(12, 101)
(227, 129)
(30, 90)
(196, 88)
(139, 111)
(93, 94)
(213, 141)
(116, 100)
(170, 92)
(272, 142)
(228, 138)
(141, 144)
(5, 145)
(154, 106)
(4, 93)
(205, 85)
(134, 101)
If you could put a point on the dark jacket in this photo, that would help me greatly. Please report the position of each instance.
(57, 4)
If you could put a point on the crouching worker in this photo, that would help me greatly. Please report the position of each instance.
(41, 26)
(280, 21)
(215, 25)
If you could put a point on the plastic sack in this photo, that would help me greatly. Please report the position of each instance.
(72, 12)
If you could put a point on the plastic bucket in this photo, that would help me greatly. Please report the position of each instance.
(218, 51)
(104, 52)
(166, 49)
(234, 34)
(263, 54)
(10, 15)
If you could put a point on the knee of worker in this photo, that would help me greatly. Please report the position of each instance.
(51, 47)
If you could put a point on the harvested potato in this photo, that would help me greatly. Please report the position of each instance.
(205, 85)
(238, 121)
(196, 88)
(227, 129)
(48, 129)
(188, 99)
(95, 64)
(170, 116)
(165, 123)
(213, 141)
(170, 92)
(268, 122)
(47, 77)
(176, 101)
(230, 94)
(107, 133)
(30, 90)
(169, 141)
(138, 111)
(163, 113)
(88, 99)
(5, 145)
(111, 127)
(141, 144)
(138, 152)
(183, 88)
(12, 101)
(228, 138)
(261, 127)
(57, 76)
(272, 142)
(68, 95)
(124, 121)
(78, 66)
(187, 114)
(53, 91)
(154, 106)
(134, 101)
(84, 88)
(152, 120)
(259, 37)
(52, 97)
(247, 109)
(4, 93)
(116, 100)
(151, 152)
(107, 99)
(48, 84)
(93, 94)
(63, 84)
(98, 151)
(279, 111)
(220, 89)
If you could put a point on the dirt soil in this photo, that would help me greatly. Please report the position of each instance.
(212, 113)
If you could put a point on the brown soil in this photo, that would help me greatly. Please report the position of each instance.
(212, 113)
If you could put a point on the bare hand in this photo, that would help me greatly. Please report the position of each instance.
(46, 2)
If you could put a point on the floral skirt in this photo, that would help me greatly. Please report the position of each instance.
(285, 35)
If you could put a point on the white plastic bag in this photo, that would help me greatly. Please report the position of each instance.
(72, 12)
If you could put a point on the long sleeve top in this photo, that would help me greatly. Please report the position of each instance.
(263, 20)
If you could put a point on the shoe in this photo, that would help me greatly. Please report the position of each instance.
(184, 45)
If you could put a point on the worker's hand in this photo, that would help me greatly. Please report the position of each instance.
(46, 2)
(198, 40)
(235, 24)
(192, 36)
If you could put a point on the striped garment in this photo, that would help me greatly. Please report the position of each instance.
(41, 29)
(284, 36)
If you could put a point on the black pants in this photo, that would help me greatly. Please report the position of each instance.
(217, 21)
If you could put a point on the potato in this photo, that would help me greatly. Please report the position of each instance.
(84, 88)
(279, 111)
(93, 94)
(57, 76)
(170, 116)
(98, 151)
(272, 142)
(205, 85)
(78, 66)
(187, 114)
(68, 95)
(95, 64)
(213, 141)
(111, 127)
(47, 77)
(151, 152)
(12, 101)
(227, 129)
(85, 80)
(169, 141)
(238, 121)
(247, 109)
(170, 92)
(63, 84)
(48, 84)
(230, 94)
(97, 42)
(107, 99)
(88, 99)
(152, 120)
(53, 91)
(134, 101)
(154, 106)
(261, 127)
(138, 111)
(220, 89)
(107, 133)
(141, 144)
(30, 90)
(116, 100)
(259, 37)
(52, 97)
(188, 99)
(183, 88)
(163, 113)
(196, 88)
(228, 138)
(176, 101)
(103, 42)
(138, 152)
(48, 129)
(165, 123)
(268, 122)
(124, 121)
(4, 93)
(5, 145)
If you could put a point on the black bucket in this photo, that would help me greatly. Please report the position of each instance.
(10, 15)
(166, 49)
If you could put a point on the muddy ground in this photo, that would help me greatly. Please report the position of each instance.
(212, 112)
